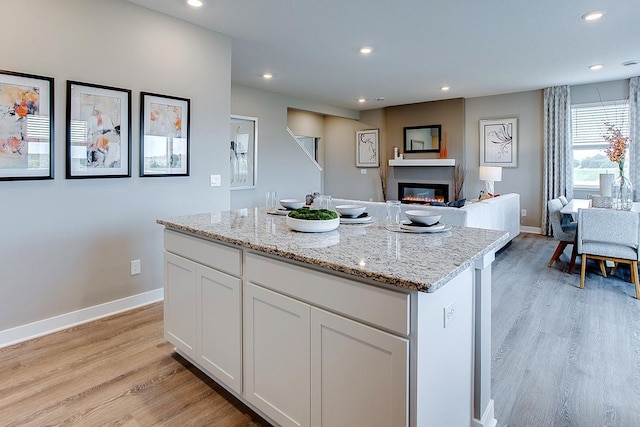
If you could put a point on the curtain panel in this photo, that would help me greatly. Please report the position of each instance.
(634, 134)
(558, 154)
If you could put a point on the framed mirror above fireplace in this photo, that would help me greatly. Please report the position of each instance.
(422, 139)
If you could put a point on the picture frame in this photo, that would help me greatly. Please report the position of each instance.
(243, 152)
(422, 139)
(26, 126)
(367, 148)
(164, 135)
(499, 142)
(98, 131)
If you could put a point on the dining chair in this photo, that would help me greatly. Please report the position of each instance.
(563, 230)
(563, 200)
(609, 235)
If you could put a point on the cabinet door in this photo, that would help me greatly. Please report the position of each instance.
(180, 303)
(359, 375)
(276, 355)
(219, 333)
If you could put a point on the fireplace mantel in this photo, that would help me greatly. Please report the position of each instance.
(422, 162)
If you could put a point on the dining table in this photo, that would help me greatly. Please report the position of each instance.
(572, 209)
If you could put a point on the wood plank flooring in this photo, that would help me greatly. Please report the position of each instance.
(561, 356)
(116, 371)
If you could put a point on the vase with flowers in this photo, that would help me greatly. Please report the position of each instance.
(622, 191)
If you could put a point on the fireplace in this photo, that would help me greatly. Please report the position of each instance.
(423, 194)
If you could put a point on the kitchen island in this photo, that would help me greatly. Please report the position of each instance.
(356, 326)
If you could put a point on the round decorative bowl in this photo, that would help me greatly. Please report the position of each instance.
(313, 225)
(423, 217)
(350, 210)
(292, 203)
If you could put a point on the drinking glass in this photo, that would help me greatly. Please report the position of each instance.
(393, 213)
(271, 202)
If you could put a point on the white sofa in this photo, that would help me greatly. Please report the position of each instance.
(497, 213)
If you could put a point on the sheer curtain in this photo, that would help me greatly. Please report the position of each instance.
(634, 134)
(558, 156)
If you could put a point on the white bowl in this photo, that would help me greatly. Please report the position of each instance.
(292, 203)
(423, 217)
(313, 225)
(350, 210)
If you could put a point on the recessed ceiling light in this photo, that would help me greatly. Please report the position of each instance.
(366, 50)
(361, 100)
(592, 16)
(595, 67)
(445, 88)
(267, 76)
(631, 63)
(195, 3)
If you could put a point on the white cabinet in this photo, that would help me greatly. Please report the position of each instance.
(276, 355)
(359, 374)
(203, 306)
(219, 325)
(180, 303)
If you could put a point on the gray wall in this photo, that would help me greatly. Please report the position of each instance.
(283, 166)
(526, 179)
(66, 244)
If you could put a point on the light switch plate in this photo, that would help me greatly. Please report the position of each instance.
(449, 313)
(216, 180)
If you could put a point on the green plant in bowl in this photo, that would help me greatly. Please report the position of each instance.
(313, 214)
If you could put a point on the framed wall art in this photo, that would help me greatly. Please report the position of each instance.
(499, 142)
(98, 131)
(164, 135)
(26, 126)
(243, 152)
(367, 149)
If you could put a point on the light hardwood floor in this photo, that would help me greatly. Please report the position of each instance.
(117, 371)
(561, 357)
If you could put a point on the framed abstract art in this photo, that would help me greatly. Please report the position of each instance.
(26, 126)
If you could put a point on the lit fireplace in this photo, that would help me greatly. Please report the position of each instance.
(423, 194)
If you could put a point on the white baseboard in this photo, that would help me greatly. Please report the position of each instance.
(488, 419)
(53, 324)
(534, 230)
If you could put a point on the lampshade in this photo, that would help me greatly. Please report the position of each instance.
(490, 173)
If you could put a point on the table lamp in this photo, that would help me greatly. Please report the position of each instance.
(490, 174)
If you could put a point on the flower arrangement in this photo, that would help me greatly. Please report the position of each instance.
(617, 145)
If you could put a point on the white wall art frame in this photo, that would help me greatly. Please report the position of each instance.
(499, 142)
(367, 149)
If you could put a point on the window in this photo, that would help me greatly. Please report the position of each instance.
(587, 130)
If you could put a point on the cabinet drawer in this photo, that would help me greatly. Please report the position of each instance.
(215, 255)
(374, 305)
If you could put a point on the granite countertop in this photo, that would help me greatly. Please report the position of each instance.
(423, 262)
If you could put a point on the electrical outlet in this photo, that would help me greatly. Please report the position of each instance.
(523, 213)
(135, 267)
(363, 171)
(215, 180)
(449, 313)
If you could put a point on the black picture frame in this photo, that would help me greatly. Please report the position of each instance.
(26, 126)
(98, 131)
(164, 135)
(422, 139)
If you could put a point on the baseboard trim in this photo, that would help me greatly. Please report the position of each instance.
(534, 230)
(488, 419)
(53, 324)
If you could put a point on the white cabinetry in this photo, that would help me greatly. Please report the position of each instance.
(219, 326)
(276, 355)
(203, 306)
(179, 303)
(359, 374)
(309, 366)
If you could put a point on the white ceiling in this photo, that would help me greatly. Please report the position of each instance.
(477, 47)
